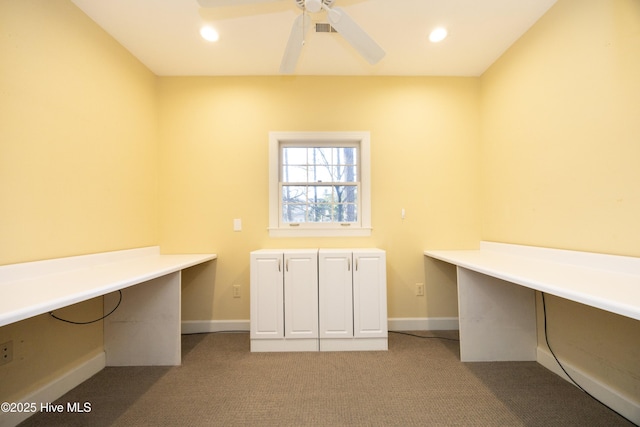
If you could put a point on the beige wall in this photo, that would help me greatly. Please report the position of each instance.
(424, 149)
(561, 132)
(78, 166)
(541, 150)
(78, 170)
(560, 162)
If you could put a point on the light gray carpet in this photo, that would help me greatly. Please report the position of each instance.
(418, 382)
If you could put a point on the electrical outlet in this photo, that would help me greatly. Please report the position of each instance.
(419, 289)
(236, 291)
(6, 352)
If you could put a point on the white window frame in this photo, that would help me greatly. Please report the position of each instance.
(279, 229)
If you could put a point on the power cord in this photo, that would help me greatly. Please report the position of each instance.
(391, 332)
(423, 337)
(239, 331)
(91, 321)
(546, 338)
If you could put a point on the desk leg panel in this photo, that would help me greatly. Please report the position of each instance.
(145, 329)
(497, 319)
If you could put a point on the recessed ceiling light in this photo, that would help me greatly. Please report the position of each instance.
(209, 33)
(438, 34)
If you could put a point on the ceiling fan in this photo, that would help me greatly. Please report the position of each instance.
(336, 16)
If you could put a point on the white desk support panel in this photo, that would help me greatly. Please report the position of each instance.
(144, 330)
(497, 319)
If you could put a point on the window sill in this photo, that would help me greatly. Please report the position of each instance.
(320, 232)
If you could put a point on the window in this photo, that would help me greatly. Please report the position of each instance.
(319, 184)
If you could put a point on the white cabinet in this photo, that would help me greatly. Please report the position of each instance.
(301, 295)
(352, 299)
(310, 299)
(284, 300)
(267, 295)
(336, 294)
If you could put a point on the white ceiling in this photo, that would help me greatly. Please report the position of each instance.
(164, 35)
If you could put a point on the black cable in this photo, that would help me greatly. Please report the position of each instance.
(91, 321)
(422, 336)
(391, 332)
(546, 338)
(217, 332)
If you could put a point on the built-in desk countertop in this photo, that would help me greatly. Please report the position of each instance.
(607, 282)
(33, 288)
(498, 320)
(145, 328)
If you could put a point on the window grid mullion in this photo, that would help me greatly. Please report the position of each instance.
(315, 163)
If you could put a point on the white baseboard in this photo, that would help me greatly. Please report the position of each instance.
(396, 324)
(423, 324)
(56, 389)
(203, 326)
(624, 405)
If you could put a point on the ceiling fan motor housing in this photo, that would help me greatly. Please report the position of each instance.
(301, 3)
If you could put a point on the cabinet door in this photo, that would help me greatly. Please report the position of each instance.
(301, 294)
(370, 294)
(335, 289)
(267, 289)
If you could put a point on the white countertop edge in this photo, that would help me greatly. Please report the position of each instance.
(84, 281)
(571, 281)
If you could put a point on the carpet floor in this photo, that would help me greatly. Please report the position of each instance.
(418, 382)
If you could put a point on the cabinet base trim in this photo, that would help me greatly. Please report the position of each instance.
(310, 344)
(395, 324)
(354, 344)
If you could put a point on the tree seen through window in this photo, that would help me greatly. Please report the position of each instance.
(319, 184)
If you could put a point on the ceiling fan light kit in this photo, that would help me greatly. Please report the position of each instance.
(337, 17)
(313, 6)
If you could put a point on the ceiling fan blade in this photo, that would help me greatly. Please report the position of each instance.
(221, 3)
(355, 35)
(292, 52)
